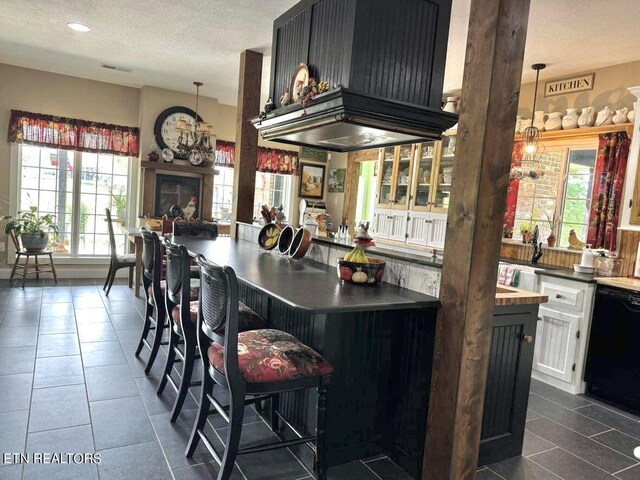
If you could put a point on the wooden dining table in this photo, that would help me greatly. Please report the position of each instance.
(135, 246)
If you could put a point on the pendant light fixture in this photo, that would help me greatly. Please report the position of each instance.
(196, 142)
(532, 148)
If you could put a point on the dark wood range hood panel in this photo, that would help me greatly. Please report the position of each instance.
(384, 62)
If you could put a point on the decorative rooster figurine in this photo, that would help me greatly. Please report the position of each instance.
(574, 242)
(190, 209)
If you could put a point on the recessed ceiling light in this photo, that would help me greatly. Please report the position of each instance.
(78, 27)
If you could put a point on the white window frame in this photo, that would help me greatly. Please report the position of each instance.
(74, 257)
(286, 191)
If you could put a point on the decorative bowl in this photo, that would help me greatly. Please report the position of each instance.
(300, 243)
(286, 236)
(269, 236)
(361, 273)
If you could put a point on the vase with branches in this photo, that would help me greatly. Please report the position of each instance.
(552, 220)
(120, 201)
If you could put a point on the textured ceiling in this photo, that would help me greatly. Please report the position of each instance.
(170, 44)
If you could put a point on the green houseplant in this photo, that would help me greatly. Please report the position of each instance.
(33, 229)
(120, 202)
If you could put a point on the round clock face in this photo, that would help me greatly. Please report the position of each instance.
(165, 129)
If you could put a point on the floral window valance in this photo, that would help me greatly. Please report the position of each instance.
(72, 134)
(225, 153)
(272, 160)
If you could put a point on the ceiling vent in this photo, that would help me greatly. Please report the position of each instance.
(116, 68)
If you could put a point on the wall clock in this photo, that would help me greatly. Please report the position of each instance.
(165, 127)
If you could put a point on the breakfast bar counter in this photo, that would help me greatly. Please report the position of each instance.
(370, 334)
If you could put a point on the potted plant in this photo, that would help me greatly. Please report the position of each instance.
(526, 230)
(33, 229)
(120, 201)
(553, 222)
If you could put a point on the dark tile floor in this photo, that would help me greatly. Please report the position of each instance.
(69, 382)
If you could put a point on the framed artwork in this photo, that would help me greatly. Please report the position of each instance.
(314, 154)
(311, 180)
(336, 179)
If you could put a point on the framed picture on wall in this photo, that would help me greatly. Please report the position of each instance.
(311, 180)
(336, 179)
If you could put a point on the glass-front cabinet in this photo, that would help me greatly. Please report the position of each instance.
(395, 182)
(443, 175)
(423, 173)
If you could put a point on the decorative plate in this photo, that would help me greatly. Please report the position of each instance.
(299, 80)
(167, 155)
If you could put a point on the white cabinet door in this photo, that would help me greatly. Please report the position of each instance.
(399, 223)
(556, 343)
(419, 228)
(438, 227)
(382, 223)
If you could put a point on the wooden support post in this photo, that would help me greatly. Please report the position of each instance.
(490, 92)
(244, 172)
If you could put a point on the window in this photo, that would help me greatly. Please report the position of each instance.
(565, 189)
(271, 189)
(537, 198)
(76, 187)
(223, 193)
(577, 194)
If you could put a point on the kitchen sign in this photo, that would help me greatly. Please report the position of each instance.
(573, 84)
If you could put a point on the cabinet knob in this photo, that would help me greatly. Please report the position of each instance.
(527, 338)
(558, 295)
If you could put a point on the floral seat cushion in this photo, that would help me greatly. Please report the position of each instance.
(272, 356)
(247, 318)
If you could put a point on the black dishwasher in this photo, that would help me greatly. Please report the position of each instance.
(613, 360)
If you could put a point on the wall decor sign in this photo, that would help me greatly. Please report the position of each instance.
(573, 84)
(311, 180)
(315, 154)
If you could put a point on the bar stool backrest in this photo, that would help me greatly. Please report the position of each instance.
(219, 306)
(177, 274)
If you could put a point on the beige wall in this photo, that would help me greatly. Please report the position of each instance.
(610, 89)
(335, 201)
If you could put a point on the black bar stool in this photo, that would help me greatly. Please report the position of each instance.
(259, 363)
(155, 312)
(182, 312)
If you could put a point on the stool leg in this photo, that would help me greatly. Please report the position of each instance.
(37, 269)
(157, 339)
(131, 277)
(321, 464)
(236, 414)
(203, 410)
(15, 266)
(106, 282)
(187, 371)
(146, 328)
(53, 269)
(275, 420)
(171, 358)
(26, 271)
(111, 279)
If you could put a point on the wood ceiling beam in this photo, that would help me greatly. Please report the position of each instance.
(490, 93)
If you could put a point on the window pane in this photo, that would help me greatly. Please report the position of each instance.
(30, 156)
(579, 186)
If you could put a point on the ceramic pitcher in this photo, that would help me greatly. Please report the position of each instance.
(604, 117)
(631, 116)
(553, 122)
(620, 116)
(587, 117)
(570, 120)
(539, 118)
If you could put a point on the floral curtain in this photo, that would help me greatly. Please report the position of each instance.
(225, 153)
(272, 160)
(608, 181)
(512, 190)
(72, 134)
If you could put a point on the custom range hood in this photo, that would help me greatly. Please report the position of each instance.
(384, 64)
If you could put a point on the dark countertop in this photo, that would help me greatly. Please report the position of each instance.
(426, 259)
(568, 274)
(302, 284)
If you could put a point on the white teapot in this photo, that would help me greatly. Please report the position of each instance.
(620, 116)
(604, 117)
(553, 122)
(587, 117)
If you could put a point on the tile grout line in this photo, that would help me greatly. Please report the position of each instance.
(608, 408)
(600, 433)
(371, 469)
(586, 461)
(585, 436)
(542, 466)
(492, 471)
(625, 469)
